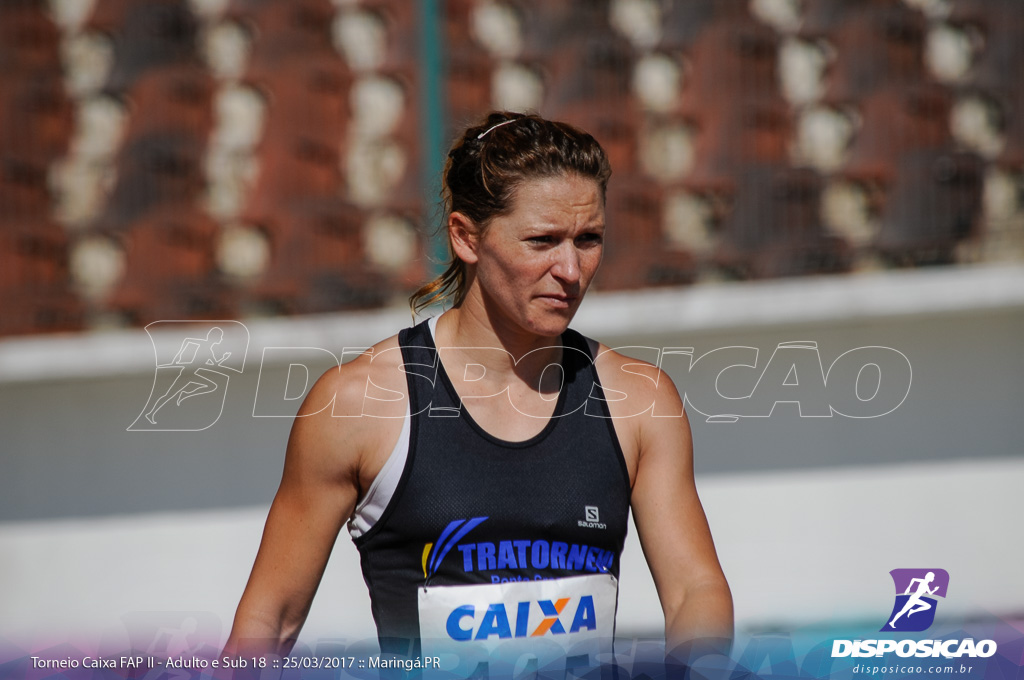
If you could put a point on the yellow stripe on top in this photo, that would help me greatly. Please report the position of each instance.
(426, 552)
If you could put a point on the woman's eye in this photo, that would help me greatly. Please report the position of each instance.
(541, 239)
(590, 238)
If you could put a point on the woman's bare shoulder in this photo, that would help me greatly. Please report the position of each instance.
(351, 417)
(373, 383)
(640, 380)
(635, 387)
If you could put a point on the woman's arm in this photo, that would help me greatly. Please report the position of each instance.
(318, 492)
(673, 529)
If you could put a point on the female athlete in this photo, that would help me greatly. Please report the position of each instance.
(488, 481)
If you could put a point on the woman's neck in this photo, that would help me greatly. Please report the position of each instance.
(470, 331)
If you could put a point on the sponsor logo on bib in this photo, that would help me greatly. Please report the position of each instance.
(576, 612)
(466, 623)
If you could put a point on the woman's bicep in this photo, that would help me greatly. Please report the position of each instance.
(317, 494)
(672, 526)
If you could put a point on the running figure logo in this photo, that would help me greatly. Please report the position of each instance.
(200, 366)
(914, 609)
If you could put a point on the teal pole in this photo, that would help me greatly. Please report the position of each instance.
(432, 127)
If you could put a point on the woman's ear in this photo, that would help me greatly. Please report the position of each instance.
(464, 236)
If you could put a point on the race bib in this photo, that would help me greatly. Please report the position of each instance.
(546, 620)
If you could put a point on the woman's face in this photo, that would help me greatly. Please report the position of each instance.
(534, 264)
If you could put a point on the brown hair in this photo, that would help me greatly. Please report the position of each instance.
(486, 166)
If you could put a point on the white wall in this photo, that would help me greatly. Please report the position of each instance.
(797, 548)
(101, 528)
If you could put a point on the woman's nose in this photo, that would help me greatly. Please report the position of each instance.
(567, 264)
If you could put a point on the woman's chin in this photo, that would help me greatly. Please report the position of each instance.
(551, 325)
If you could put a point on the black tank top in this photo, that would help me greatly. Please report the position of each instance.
(471, 508)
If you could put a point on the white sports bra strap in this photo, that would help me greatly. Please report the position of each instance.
(377, 497)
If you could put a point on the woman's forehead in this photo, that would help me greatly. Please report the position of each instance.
(558, 195)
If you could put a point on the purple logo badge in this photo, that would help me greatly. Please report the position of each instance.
(916, 590)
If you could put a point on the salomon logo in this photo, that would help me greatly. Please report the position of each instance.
(593, 518)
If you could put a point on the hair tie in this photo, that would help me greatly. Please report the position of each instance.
(504, 122)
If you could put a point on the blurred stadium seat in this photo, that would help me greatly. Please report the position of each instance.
(36, 117)
(896, 120)
(23, 191)
(35, 254)
(637, 254)
(146, 35)
(773, 227)
(684, 21)
(170, 270)
(307, 128)
(400, 23)
(29, 39)
(285, 27)
(877, 43)
(178, 97)
(306, 96)
(589, 83)
(468, 89)
(39, 310)
(934, 205)
(159, 170)
(1001, 27)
